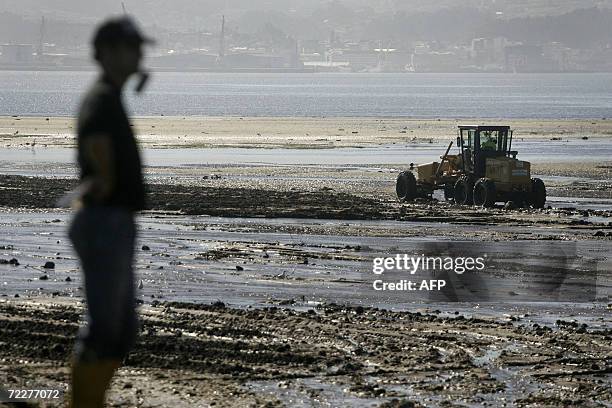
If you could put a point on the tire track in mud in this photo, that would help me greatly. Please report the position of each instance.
(367, 354)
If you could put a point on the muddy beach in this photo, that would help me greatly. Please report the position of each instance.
(331, 355)
(239, 200)
(252, 272)
(258, 323)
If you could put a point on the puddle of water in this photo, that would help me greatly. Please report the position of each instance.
(536, 151)
(581, 203)
(311, 393)
(184, 277)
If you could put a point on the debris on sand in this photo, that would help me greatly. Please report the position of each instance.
(218, 304)
(397, 403)
(510, 205)
(49, 265)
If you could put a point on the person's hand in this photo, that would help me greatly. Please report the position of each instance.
(98, 189)
(74, 198)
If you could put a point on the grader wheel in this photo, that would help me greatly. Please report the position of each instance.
(406, 186)
(538, 193)
(484, 193)
(463, 191)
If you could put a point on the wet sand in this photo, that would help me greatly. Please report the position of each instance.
(243, 199)
(160, 132)
(263, 325)
(327, 356)
(266, 262)
(262, 261)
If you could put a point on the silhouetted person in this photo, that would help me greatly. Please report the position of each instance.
(103, 229)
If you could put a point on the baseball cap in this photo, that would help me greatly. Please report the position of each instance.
(119, 30)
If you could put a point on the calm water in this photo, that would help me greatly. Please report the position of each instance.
(12, 159)
(392, 95)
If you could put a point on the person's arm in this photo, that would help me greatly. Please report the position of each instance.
(98, 149)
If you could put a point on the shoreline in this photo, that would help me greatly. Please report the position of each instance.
(296, 132)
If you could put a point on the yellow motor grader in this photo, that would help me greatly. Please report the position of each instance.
(484, 171)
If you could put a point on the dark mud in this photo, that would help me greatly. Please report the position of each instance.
(194, 355)
(324, 203)
(31, 192)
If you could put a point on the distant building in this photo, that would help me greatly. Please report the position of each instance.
(598, 59)
(488, 52)
(312, 46)
(17, 54)
(393, 60)
(359, 60)
(256, 60)
(434, 62)
(311, 57)
(528, 58)
(559, 55)
(183, 61)
(327, 66)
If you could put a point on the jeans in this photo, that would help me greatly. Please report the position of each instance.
(104, 241)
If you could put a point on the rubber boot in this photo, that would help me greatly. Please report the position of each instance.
(90, 382)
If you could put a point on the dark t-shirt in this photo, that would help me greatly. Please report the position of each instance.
(102, 112)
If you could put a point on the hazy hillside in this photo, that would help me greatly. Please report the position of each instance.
(575, 22)
(191, 14)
